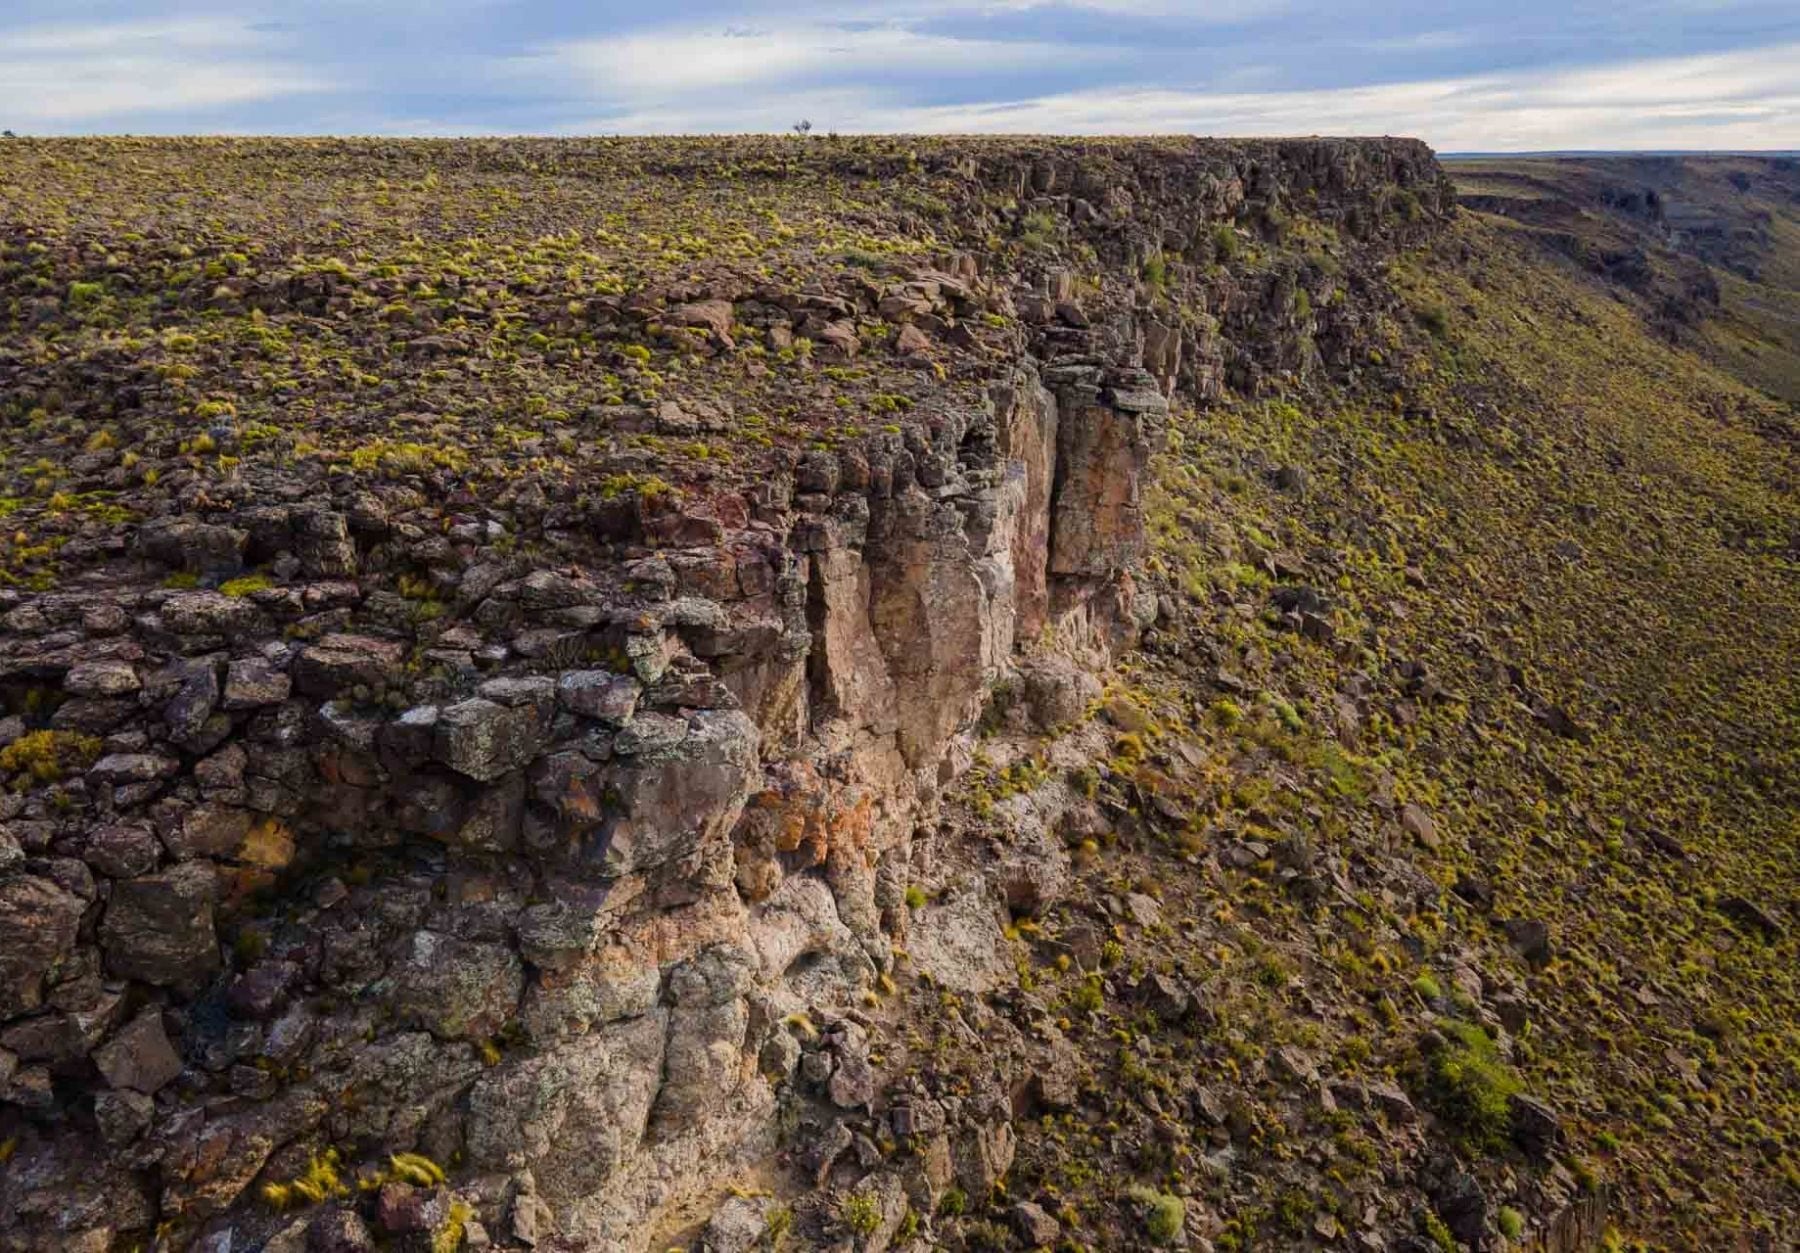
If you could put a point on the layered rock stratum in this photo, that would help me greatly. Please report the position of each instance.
(875, 694)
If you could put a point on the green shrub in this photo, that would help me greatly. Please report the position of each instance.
(861, 1213)
(1156, 272)
(1470, 1086)
(1038, 232)
(48, 755)
(239, 588)
(1512, 1223)
(1225, 242)
(1164, 1214)
(1433, 318)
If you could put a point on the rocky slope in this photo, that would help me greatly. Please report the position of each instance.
(1708, 247)
(873, 694)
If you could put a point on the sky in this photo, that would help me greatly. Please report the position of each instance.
(1511, 75)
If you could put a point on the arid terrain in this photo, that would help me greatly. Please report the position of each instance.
(869, 694)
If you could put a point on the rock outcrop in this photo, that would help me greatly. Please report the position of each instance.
(558, 883)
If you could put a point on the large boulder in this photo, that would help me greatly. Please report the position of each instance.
(1104, 443)
(139, 1056)
(960, 944)
(38, 922)
(195, 546)
(679, 783)
(341, 662)
(573, 1115)
(484, 738)
(159, 928)
(457, 988)
(706, 1036)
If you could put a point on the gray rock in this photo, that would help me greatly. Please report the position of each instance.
(252, 682)
(208, 830)
(139, 1056)
(455, 988)
(339, 1230)
(122, 850)
(483, 739)
(1535, 1125)
(159, 928)
(128, 768)
(194, 546)
(571, 1115)
(1747, 913)
(322, 542)
(1057, 691)
(208, 613)
(599, 694)
(340, 662)
(122, 1115)
(101, 679)
(707, 1025)
(737, 1226)
(38, 921)
(679, 787)
(983, 1154)
(1034, 1225)
(1531, 936)
(960, 944)
(196, 696)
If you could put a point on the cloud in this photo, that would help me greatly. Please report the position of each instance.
(67, 76)
(1546, 77)
(667, 64)
(1731, 100)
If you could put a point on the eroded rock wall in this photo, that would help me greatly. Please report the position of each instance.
(547, 925)
(551, 924)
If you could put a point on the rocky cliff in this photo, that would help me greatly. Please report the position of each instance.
(868, 694)
(532, 819)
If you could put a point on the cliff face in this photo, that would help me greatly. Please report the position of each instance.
(535, 819)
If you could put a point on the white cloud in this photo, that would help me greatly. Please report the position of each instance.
(58, 77)
(1731, 100)
(668, 64)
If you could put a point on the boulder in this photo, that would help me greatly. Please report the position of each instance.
(139, 1056)
(709, 315)
(456, 988)
(38, 922)
(122, 850)
(209, 830)
(121, 1115)
(323, 544)
(252, 682)
(125, 769)
(1035, 1225)
(101, 679)
(484, 739)
(571, 1115)
(737, 1226)
(599, 694)
(1057, 691)
(208, 613)
(1536, 1127)
(194, 546)
(340, 662)
(707, 1025)
(159, 928)
(959, 943)
(680, 783)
